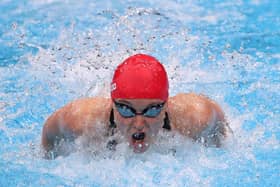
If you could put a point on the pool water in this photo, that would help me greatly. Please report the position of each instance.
(52, 52)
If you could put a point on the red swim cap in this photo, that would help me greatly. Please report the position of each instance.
(140, 77)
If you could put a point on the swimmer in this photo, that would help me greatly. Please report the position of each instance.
(138, 109)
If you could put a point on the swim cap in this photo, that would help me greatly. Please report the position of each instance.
(140, 77)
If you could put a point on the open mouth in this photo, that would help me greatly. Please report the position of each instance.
(138, 136)
(138, 144)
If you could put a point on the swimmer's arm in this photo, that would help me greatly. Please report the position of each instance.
(214, 133)
(62, 125)
(200, 118)
(73, 120)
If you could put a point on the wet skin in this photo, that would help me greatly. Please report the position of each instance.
(189, 114)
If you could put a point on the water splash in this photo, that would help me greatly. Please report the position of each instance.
(206, 48)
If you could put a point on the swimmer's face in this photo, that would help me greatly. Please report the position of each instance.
(139, 120)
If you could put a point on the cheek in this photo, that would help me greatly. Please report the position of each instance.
(122, 124)
(155, 126)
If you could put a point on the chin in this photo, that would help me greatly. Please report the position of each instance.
(139, 146)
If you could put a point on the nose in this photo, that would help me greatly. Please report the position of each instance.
(139, 122)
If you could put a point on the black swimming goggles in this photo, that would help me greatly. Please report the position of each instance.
(129, 112)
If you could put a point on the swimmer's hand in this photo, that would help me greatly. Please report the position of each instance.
(214, 134)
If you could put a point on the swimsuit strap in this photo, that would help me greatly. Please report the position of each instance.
(166, 124)
(112, 125)
(112, 121)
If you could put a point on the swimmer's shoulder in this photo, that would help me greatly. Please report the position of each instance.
(90, 105)
(189, 101)
(193, 102)
(76, 118)
(79, 115)
(190, 113)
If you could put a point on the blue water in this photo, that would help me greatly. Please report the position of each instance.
(52, 52)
